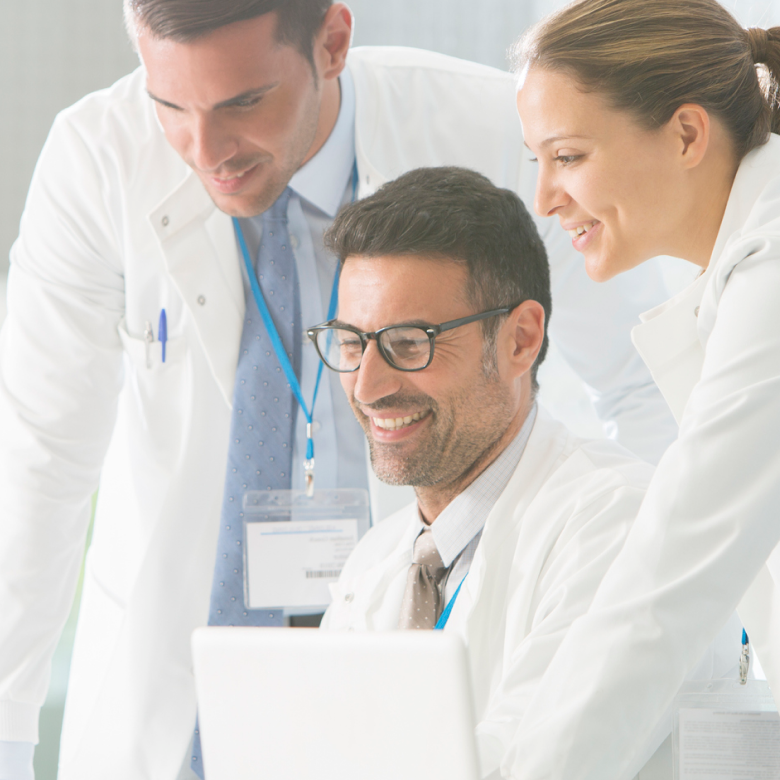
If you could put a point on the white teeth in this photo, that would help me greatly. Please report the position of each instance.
(580, 229)
(230, 178)
(392, 423)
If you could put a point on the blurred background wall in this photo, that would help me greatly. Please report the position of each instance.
(54, 51)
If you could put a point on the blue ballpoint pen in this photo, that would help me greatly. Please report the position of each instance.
(162, 332)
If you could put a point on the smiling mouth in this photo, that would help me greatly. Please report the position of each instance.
(581, 229)
(233, 177)
(395, 423)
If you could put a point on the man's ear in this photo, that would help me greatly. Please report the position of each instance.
(332, 41)
(690, 128)
(521, 337)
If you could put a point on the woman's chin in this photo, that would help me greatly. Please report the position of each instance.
(602, 266)
(600, 269)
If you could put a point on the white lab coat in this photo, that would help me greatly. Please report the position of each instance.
(711, 517)
(115, 228)
(546, 545)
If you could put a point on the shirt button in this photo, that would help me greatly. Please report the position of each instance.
(294, 242)
(201, 300)
(165, 221)
(696, 312)
(349, 597)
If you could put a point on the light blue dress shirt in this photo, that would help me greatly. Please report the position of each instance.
(458, 529)
(320, 188)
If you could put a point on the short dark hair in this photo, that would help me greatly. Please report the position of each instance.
(186, 20)
(459, 215)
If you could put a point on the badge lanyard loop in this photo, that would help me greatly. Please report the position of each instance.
(281, 354)
(445, 616)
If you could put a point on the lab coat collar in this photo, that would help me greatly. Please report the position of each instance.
(756, 171)
(543, 453)
(323, 179)
(200, 255)
(672, 337)
(370, 587)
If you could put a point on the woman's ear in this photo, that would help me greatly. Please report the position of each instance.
(690, 125)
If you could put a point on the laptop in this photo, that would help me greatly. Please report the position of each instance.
(300, 704)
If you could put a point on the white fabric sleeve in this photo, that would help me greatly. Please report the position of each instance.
(573, 570)
(707, 525)
(16, 761)
(60, 375)
(591, 326)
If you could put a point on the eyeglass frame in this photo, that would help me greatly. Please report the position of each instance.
(432, 331)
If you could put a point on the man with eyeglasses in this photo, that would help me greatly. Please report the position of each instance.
(444, 299)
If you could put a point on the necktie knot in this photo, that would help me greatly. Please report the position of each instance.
(422, 605)
(278, 211)
(425, 551)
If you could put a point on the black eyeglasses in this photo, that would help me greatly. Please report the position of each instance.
(405, 347)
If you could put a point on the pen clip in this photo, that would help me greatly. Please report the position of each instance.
(162, 332)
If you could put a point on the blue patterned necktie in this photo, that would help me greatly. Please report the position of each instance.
(262, 425)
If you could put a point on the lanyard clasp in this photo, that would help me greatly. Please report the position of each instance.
(308, 472)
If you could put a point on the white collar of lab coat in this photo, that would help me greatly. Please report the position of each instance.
(673, 336)
(542, 454)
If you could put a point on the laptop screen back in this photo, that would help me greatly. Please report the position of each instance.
(293, 704)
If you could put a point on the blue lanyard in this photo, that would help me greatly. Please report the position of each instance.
(445, 616)
(276, 341)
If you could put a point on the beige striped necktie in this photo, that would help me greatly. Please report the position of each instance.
(421, 604)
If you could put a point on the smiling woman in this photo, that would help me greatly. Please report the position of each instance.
(653, 124)
(609, 111)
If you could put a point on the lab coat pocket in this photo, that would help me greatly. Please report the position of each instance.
(159, 395)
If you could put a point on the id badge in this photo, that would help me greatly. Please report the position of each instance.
(726, 731)
(296, 545)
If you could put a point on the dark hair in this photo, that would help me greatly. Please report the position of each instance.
(652, 56)
(186, 20)
(458, 215)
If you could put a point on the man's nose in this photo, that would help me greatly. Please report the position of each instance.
(375, 378)
(550, 196)
(212, 144)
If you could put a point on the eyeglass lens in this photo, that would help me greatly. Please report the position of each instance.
(407, 348)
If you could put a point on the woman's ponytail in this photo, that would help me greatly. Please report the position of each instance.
(765, 50)
(652, 56)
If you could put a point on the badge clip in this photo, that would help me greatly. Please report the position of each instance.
(744, 659)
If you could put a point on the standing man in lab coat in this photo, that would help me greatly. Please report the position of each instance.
(254, 109)
(443, 302)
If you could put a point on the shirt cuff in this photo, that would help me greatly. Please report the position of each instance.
(16, 761)
(19, 722)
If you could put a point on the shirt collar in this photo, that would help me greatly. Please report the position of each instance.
(465, 516)
(323, 179)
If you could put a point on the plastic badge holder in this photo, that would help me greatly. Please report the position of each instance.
(296, 545)
(726, 730)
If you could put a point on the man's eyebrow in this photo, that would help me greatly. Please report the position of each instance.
(251, 94)
(405, 324)
(162, 102)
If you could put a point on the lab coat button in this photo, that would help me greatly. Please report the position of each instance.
(201, 300)
(294, 242)
(348, 597)
(696, 312)
(165, 221)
